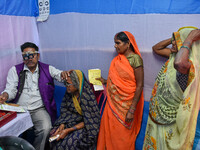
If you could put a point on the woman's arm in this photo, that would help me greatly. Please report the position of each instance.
(103, 81)
(78, 126)
(181, 62)
(161, 48)
(58, 130)
(139, 76)
(66, 131)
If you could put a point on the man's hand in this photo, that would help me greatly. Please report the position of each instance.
(3, 97)
(65, 74)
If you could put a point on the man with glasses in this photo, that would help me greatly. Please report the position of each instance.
(30, 84)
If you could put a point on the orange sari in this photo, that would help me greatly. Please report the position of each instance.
(115, 133)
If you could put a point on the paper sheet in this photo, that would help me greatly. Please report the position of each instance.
(92, 75)
(98, 87)
(11, 108)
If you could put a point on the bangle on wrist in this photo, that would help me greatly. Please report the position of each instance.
(74, 127)
(185, 47)
(187, 43)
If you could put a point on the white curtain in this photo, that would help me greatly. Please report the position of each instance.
(86, 41)
(15, 30)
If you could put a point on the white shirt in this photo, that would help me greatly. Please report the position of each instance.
(30, 98)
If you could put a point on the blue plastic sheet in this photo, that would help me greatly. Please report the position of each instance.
(30, 7)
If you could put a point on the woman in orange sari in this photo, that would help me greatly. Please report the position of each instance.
(122, 116)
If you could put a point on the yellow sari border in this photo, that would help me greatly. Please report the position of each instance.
(187, 27)
(178, 40)
(77, 105)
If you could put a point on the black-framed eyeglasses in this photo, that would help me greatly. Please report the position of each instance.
(67, 84)
(28, 55)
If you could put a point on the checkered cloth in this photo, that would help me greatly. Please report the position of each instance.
(182, 80)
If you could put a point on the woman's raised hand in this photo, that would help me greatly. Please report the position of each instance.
(194, 35)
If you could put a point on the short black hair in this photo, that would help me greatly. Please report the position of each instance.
(122, 37)
(29, 44)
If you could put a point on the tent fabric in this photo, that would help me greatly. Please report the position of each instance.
(19, 7)
(126, 6)
(15, 30)
(86, 41)
(30, 7)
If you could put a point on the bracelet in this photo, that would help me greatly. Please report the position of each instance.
(185, 47)
(74, 127)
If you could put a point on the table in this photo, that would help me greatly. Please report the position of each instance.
(17, 126)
